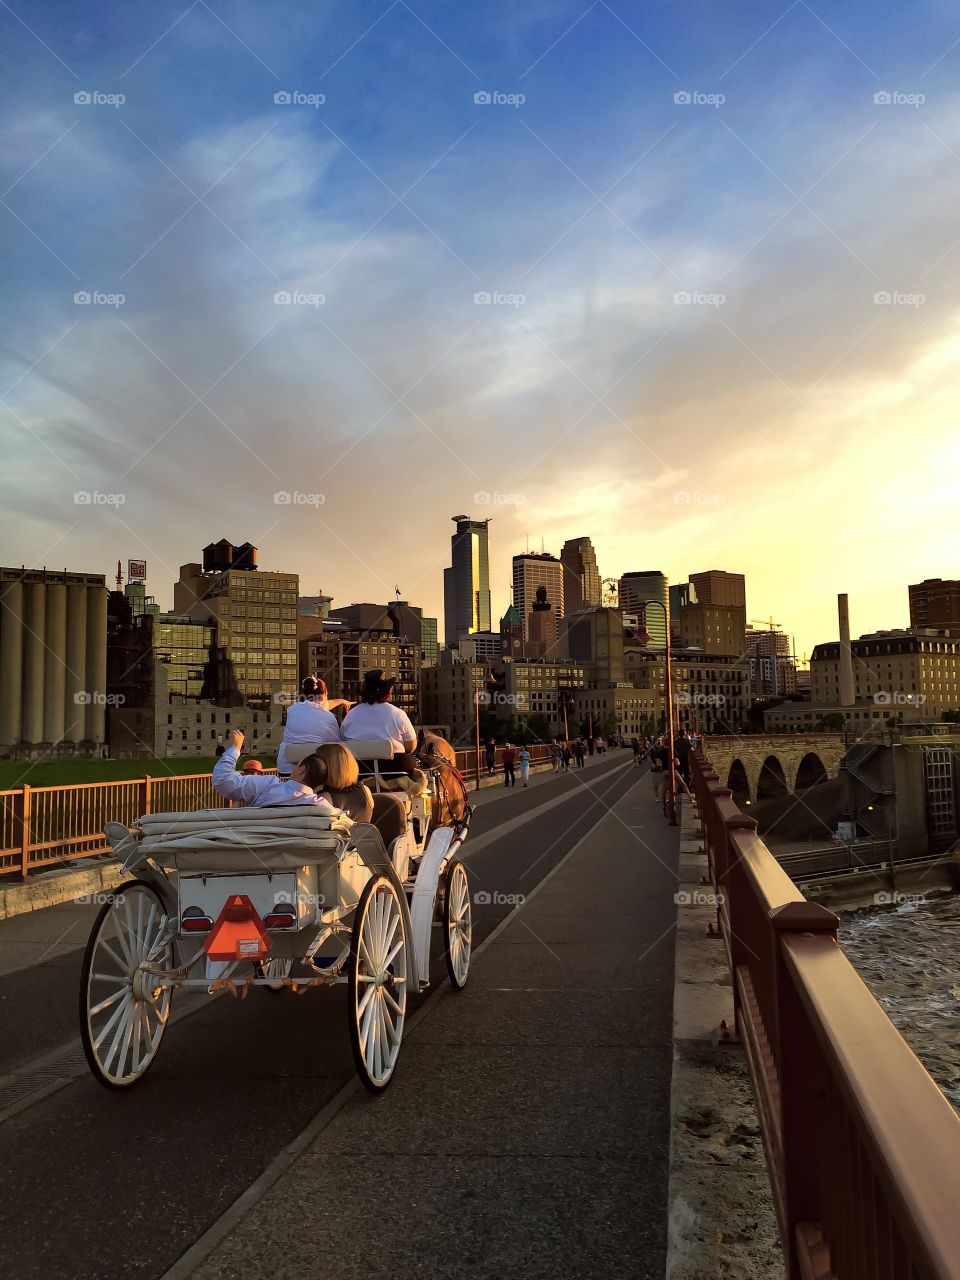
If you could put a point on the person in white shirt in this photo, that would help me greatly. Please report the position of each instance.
(311, 720)
(375, 718)
(264, 789)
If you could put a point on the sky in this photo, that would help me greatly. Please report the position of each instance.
(321, 276)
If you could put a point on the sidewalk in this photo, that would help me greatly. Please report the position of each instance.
(526, 1133)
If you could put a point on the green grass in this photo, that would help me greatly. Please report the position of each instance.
(14, 773)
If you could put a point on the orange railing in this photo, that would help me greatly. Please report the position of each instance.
(863, 1150)
(40, 826)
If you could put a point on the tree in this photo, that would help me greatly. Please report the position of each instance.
(832, 720)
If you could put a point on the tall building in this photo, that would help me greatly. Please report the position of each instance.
(712, 628)
(405, 623)
(53, 663)
(638, 590)
(771, 663)
(255, 612)
(596, 638)
(466, 584)
(581, 577)
(343, 656)
(530, 571)
(716, 586)
(935, 602)
(511, 634)
(542, 627)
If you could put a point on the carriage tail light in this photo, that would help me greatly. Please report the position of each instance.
(194, 920)
(238, 933)
(283, 916)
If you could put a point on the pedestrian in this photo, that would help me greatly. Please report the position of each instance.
(580, 751)
(509, 758)
(659, 768)
(636, 752)
(524, 759)
(491, 756)
(565, 756)
(682, 750)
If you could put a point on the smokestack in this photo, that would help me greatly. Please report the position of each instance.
(846, 656)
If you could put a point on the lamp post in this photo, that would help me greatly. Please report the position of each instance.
(669, 694)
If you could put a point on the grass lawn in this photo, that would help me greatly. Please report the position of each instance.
(14, 773)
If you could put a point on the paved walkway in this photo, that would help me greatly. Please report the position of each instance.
(526, 1133)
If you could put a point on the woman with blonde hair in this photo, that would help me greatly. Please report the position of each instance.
(340, 777)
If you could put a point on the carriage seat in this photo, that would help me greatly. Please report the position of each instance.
(389, 816)
(369, 749)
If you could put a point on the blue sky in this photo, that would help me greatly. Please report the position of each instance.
(684, 355)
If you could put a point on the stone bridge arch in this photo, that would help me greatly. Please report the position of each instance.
(757, 762)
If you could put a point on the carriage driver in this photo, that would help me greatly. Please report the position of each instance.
(375, 717)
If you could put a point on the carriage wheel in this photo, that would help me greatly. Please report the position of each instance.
(377, 983)
(124, 1011)
(457, 924)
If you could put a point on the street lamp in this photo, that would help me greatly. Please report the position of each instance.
(669, 692)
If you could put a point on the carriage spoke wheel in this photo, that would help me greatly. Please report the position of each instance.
(377, 983)
(457, 924)
(123, 1010)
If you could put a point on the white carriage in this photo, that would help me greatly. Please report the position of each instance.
(281, 898)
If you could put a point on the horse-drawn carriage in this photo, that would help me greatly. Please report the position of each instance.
(282, 898)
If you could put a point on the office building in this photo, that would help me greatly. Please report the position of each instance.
(255, 612)
(581, 577)
(530, 571)
(542, 628)
(896, 670)
(636, 591)
(772, 667)
(595, 638)
(53, 663)
(450, 689)
(712, 628)
(716, 586)
(466, 583)
(935, 603)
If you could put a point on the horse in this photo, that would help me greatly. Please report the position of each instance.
(437, 756)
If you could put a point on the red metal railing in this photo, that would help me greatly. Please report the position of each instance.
(40, 826)
(863, 1150)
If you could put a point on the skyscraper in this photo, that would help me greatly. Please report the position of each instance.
(581, 577)
(532, 570)
(466, 584)
(639, 589)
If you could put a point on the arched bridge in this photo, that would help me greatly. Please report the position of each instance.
(756, 767)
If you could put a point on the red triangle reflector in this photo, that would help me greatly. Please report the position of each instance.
(238, 932)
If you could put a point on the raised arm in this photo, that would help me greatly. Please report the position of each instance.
(230, 784)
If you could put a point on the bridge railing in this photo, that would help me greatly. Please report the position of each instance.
(41, 826)
(863, 1150)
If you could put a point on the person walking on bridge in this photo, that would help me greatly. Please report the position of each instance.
(509, 761)
(524, 759)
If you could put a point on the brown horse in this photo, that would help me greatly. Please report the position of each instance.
(437, 756)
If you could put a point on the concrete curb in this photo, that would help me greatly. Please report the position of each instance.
(50, 888)
(720, 1215)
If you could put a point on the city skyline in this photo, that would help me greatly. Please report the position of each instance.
(614, 335)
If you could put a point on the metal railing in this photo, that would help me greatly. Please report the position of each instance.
(40, 826)
(863, 1150)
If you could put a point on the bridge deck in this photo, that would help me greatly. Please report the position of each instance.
(527, 1132)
